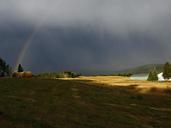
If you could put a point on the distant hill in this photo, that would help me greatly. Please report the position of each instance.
(136, 70)
(143, 69)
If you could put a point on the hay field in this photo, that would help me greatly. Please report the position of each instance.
(142, 85)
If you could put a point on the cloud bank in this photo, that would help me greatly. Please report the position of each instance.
(87, 34)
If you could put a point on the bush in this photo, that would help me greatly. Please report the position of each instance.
(123, 74)
(72, 74)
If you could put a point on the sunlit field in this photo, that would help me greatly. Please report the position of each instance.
(85, 102)
(125, 81)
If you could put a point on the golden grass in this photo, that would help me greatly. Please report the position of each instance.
(125, 81)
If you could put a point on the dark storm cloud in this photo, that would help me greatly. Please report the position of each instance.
(86, 34)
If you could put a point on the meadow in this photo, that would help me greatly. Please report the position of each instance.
(85, 102)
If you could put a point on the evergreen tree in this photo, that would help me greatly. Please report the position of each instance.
(153, 75)
(4, 68)
(20, 68)
(1, 68)
(167, 71)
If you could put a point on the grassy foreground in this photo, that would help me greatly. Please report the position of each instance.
(81, 103)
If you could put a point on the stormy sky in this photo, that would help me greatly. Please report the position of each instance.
(85, 35)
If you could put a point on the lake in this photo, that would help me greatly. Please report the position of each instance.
(139, 77)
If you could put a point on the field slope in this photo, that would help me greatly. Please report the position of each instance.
(81, 103)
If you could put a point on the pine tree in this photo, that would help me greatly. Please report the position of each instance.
(4, 68)
(153, 75)
(20, 68)
(167, 71)
(1, 68)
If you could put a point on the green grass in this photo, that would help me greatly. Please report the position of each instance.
(38, 103)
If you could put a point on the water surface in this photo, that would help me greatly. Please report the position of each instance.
(139, 77)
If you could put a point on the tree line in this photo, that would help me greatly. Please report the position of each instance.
(65, 74)
(6, 70)
(153, 74)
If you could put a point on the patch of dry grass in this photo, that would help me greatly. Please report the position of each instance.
(144, 86)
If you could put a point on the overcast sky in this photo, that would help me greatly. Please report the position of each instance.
(86, 34)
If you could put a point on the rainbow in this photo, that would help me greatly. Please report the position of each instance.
(28, 41)
(24, 49)
(26, 45)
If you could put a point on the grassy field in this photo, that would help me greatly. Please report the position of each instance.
(86, 102)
